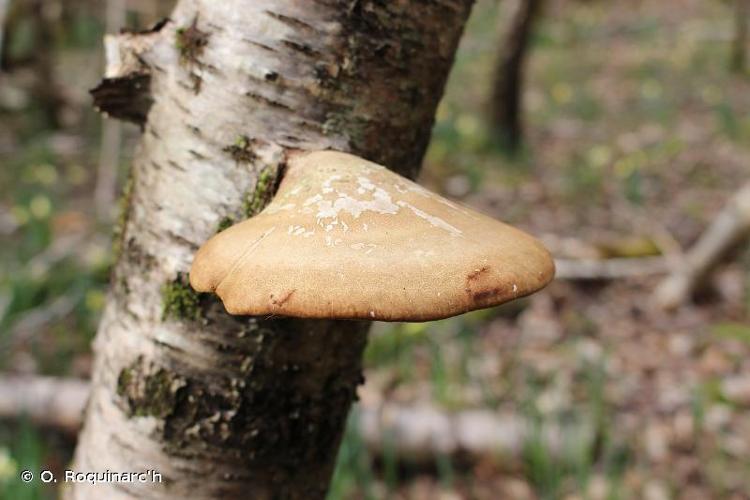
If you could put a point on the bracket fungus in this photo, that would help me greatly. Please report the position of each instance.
(346, 238)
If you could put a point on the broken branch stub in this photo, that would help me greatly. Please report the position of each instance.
(125, 91)
(349, 239)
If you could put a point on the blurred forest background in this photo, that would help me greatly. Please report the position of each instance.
(636, 133)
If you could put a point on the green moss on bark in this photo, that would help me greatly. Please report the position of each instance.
(263, 193)
(180, 301)
(225, 223)
(268, 414)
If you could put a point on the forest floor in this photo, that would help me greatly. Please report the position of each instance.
(637, 133)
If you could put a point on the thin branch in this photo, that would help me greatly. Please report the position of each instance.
(47, 401)
(640, 217)
(607, 269)
(730, 227)
(419, 433)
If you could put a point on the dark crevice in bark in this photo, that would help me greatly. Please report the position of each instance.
(126, 98)
(302, 48)
(268, 101)
(293, 22)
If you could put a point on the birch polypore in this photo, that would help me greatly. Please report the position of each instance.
(347, 238)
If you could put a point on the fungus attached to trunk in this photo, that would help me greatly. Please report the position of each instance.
(346, 238)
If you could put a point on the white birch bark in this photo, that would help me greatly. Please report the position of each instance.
(227, 407)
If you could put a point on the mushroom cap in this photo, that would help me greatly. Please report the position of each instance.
(349, 239)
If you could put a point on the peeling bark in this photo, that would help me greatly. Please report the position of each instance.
(125, 91)
(222, 406)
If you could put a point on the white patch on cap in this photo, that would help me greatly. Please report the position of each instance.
(273, 209)
(434, 221)
(424, 253)
(381, 201)
(368, 247)
(313, 199)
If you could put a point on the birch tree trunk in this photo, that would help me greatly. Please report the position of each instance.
(222, 406)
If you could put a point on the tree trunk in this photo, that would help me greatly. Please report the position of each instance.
(739, 46)
(508, 84)
(3, 13)
(222, 406)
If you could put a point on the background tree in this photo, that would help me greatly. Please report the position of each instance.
(29, 39)
(507, 88)
(739, 46)
(225, 406)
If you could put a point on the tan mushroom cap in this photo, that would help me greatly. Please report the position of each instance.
(346, 238)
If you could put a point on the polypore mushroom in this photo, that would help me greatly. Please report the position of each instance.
(349, 239)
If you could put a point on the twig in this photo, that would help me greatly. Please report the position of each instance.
(653, 227)
(581, 261)
(606, 269)
(730, 227)
(421, 433)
